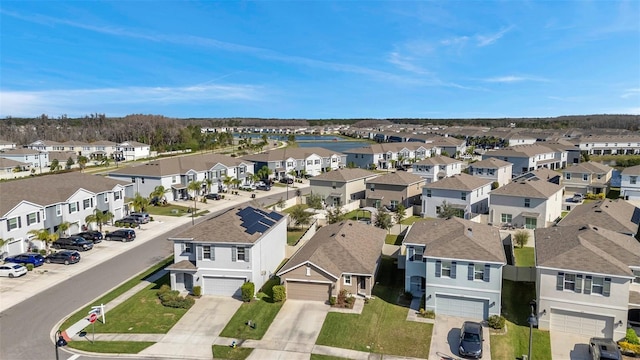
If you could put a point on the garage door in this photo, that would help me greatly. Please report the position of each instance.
(462, 307)
(308, 291)
(222, 286)
(15, 247)
(581, 323)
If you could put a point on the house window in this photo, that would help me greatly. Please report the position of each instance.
(58, 210)
(186, 248)
(106, 198)
(87, 203)
(446, 269)
(585, 177)
(463, 195)
(13, 223)
(599, 176)
(372, 187)
(316, 162)
(636, 273)
(570, 282)
(597, 285)
(333, 184)
(33, 218)
(117, 195)
(347, 279)
(73, 207)
(206, 252)
(527, 202)
(491, 172)
(394, 204)
(478, 272)
(174, 179)
(428, 192)
(241, 254)
(633, 180)
(309, 162)
(506, 218)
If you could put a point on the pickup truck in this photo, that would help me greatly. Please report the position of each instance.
(73, 243)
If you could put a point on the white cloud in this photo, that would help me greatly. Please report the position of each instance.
(484, 40)
(630, 93)
(455, 41)
(514, 79)
(406, 63)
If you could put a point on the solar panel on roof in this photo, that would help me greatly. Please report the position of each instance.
(267, 221)
(275, 216)
(257, 227)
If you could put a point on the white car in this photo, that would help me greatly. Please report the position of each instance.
(12, 270)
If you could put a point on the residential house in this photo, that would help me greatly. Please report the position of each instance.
(457, 264)
(7, 145)
(527, 158)
(515, 138)
(395, 188)
(438, 167)
(35, 159)
(132, 150)
(586, 278)
(389, 155)
(309, 161)
(340, 187)
(529, 203)
(609, 144)
(46, 146)
(221, 253)
(629, 183)
(494, 169)
(44, 202)
(100, 150)
(561, 145)
(8, 166)
(587, 178)
(175, 174)
(617, 215)
(469, 195)
(343, 256)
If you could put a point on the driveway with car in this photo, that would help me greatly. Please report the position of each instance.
(569, 346)
(445, 338)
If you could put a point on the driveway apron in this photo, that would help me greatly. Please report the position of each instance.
(569, 346)
(196, 331)
(445, 338)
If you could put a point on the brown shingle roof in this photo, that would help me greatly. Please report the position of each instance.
(438, 160)
(451, 239)
(459, 182)
(617, 215)
(387, 147)
(345, 247)
(590, 167)
(632, 170)
(586, 248)
(530, 188)
(345, 175)
(180, 165)
(490, 163)
(21, 151)
(8, 163)
(182, 265)
(286, 153)
(51, 189)
(397, 178)
(520, 151)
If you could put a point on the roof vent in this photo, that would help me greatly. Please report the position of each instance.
(342, 235)
(598, 210)
(584, 227)
(595, 228)
(469, 231)
(350, 224)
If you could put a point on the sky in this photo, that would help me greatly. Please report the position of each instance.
(319, 59)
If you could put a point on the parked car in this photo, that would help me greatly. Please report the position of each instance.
(141, 217)
(92, 235)
(263, 187)
(73, 243)
(287, 180)
(128, 221)
(26, 258)
(121, 234)
(577, 198)
(471, 340)
(213, 196)
(12, 270)
(63, 257)
(604, 349)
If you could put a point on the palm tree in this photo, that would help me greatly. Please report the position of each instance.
(82, 162)
(227, 181)
(45, 236)
(106, 162)
(236, 183)
(194, 186)
(140, 203)
(99, 218)
(63, 227)
(293, 173)
(2, 243)
(264, 172)
(254, 178)
(209, 183)
(55, 165)
(158, 192)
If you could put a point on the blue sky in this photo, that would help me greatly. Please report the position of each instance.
(320, 59)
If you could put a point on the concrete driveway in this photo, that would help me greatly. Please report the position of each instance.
(196, 331)
(294, 331)
(569, 346)
(446, 338)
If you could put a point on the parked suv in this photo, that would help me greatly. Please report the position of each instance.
(604, 349)
(26, 258)
(141, 217)
(471, 340)
(121, 234)
(73, 243)
(63, 257)
(93, 235)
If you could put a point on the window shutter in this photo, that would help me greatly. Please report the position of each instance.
(560, 281)
(38, 216)
(8, 226)
(19, 222)
(470, 270)
(607, 287)
(213, 253)
(453, 269)
(487, 273)
(181, 247)
(438, 268)
(247, 251)
(199, 251)
(233, 253)
(578, 286)
(587, 285)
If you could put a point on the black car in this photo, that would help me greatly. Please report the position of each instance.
(287, 180)
(93, 235)
(63, 257)
(471, 340)
(121, 234)
(213, 196)
(73, 243)
(263, 187)
(604, 349)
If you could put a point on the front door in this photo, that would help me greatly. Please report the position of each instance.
(188, 282)
(363, 283)
(531, 223)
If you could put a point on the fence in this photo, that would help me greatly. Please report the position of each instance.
(519, 273)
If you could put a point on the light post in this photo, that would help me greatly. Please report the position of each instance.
(533, 321)
(58, 341)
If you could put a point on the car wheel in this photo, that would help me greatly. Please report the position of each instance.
(48, 261)
(124, 240)
(11, 276)
(66, 262)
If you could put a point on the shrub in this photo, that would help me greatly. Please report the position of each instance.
(248, 290)
(279, 293)
(632, 337)
(29, 267)
(197, 290)
(429, 314)
(628, 348)
(172, 298)
(496, 322)
(332, 300)
(43, 252)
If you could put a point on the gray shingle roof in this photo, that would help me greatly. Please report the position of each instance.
(6, 163)
(397, 178)
(51, 189)
(345, 247)
(183, 265)
(490, 163)
(520, 151)
(459, 182)
(451, 239)
(180, 165)
(632, 170)
(438, 160)
(387, 147)
(286, 153)
(586, 248)
(345, 175)
(530, 188)
(617, 215)
(590, 167)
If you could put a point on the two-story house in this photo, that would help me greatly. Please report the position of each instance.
(527, 158)
(393, 189)
(457, 264)
(132, 150)
(468, 194)
(584, 279)
(630, 183)
(617, 215)
(531, 203)
(220, 254)
(609, 144)
(438, 167)
(309, 161)
(387, 155)
(36, 159)
(340, 256)
(587, 177)
(340, 187)
(7, 145)
(494, 169)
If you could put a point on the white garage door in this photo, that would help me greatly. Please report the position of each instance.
(222, 286)
(462, 307)
(308, 291)
(15, 247)
(581, 323)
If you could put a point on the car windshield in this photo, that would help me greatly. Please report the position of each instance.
(471, 337)
(16, 266)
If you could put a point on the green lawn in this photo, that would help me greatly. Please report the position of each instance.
(117, 292)
(169, 210)
(227, 352)
(142, 313)
(412, 219)
(394, 239)
(112, 347)
(515, 308)
(381, 328)
(525, 256)
(563, 214)
(358, 215)
(294, 235)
